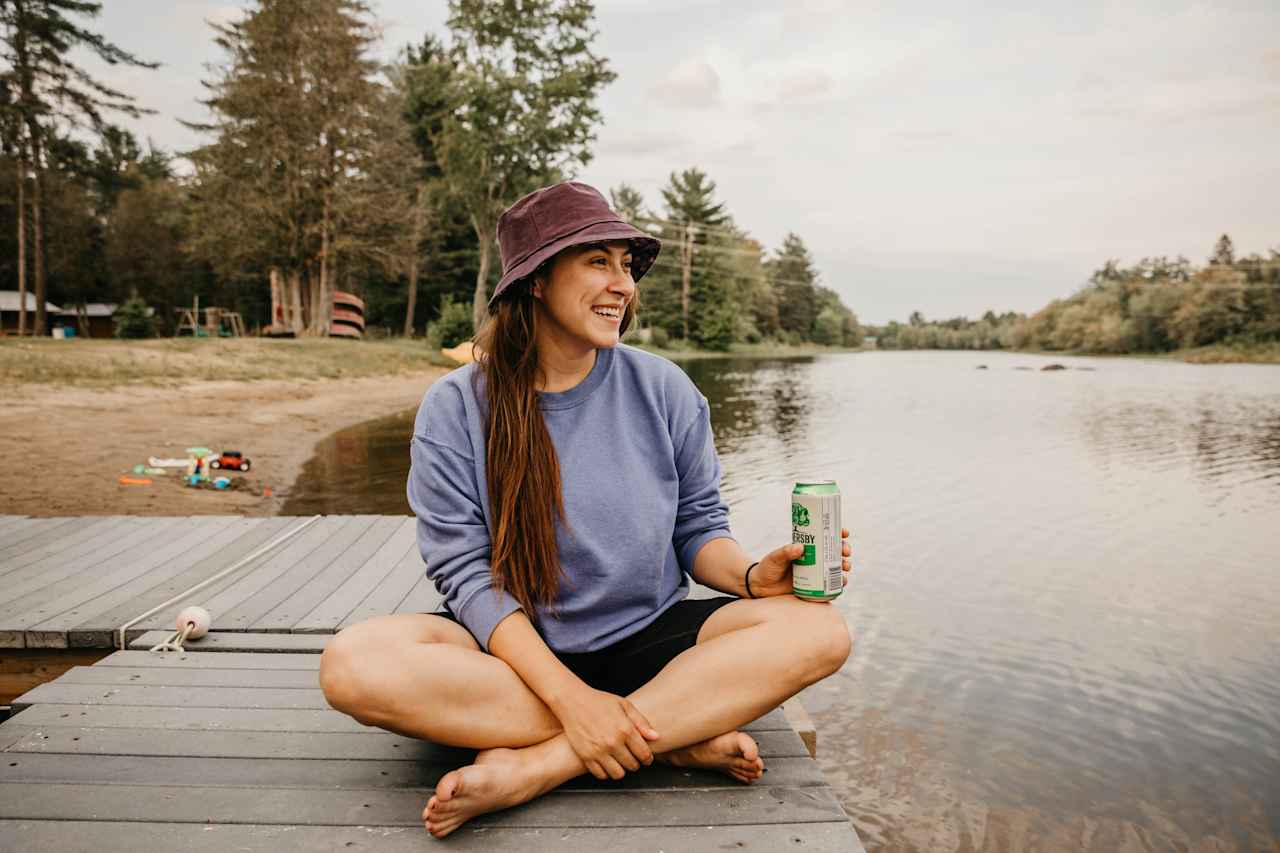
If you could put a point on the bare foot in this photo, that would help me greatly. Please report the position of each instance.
(733, 753)
(500, 779)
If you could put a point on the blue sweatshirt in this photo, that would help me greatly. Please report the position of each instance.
(641, 484)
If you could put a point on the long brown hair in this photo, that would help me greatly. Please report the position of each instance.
(522, 470)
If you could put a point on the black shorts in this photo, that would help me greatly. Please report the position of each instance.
(632, 662)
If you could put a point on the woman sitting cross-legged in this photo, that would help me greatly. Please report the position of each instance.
(566, 487)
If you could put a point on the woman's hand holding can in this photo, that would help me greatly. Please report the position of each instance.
(772, 575)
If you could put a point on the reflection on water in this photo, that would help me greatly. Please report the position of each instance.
(359, 470)
(1066, 594)
(761, 412)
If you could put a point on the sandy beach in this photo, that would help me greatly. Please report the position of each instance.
(63, 449)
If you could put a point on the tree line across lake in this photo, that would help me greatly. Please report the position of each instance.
(327, 170)
(1157, 305)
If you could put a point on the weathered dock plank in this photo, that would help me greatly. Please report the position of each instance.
(30, 599)
(45, 626)
(156, 718)
(97, 836)
(204, 677)
(423, 598)
(56, 735)
(240, 641)
(71, 583)
(45, 602)
(46, 572)
(329, 613)
(8, 521)
(317, 806)
(288, 578)
(332, 760)
(387, 596)
(294, 608)
(30, 533)
(226, 660)
(85, 539)
(99, 625)
(223, 597)
(82, 626)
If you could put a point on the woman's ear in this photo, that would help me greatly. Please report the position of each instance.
(537, 282)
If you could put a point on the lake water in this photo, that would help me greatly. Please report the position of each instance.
(1066, 588)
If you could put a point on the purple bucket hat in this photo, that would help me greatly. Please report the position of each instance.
(552, 219)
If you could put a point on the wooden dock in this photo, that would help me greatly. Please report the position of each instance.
(231, 745)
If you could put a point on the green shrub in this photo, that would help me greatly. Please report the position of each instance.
(714, 329)
(828, 327)
(133, 320)
(452, 326)
(658, 337)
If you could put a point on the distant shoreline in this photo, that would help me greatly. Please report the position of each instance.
(1213, 354)
(746, 351)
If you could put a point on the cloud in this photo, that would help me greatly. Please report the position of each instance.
(692, 83)
(636, 139)
(806, 85)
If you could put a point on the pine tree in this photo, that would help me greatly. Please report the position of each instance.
(46, 87)
(692, 216)
(296, 110)
(794, 278)
(1224, 252)
(627, 201)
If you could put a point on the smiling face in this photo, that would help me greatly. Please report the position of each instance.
(581, 301)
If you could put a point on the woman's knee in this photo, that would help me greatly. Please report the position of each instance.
(340, 672)
(347, 664)
(360, 665)
(829, 641)
(841, 638)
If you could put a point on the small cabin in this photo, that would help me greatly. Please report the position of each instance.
(92, 320)
(10, 303)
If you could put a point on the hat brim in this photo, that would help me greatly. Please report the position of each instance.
(644, 251)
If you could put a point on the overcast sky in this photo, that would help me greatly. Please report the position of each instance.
(941, 157)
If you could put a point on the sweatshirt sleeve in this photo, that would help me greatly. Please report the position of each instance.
(452, 535)
(701, 514)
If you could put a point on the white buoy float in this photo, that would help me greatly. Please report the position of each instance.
(196, 617)
(192, 624)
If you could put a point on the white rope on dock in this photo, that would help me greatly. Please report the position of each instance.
(284, 537)
(175, 641)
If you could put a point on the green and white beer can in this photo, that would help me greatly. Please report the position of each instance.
(815, 524)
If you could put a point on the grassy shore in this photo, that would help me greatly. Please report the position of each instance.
(1264, 353)
(170, 362)
(1254, 353)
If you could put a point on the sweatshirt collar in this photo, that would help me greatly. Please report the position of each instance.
(550, 400)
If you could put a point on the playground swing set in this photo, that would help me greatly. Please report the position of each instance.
(218, 322)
